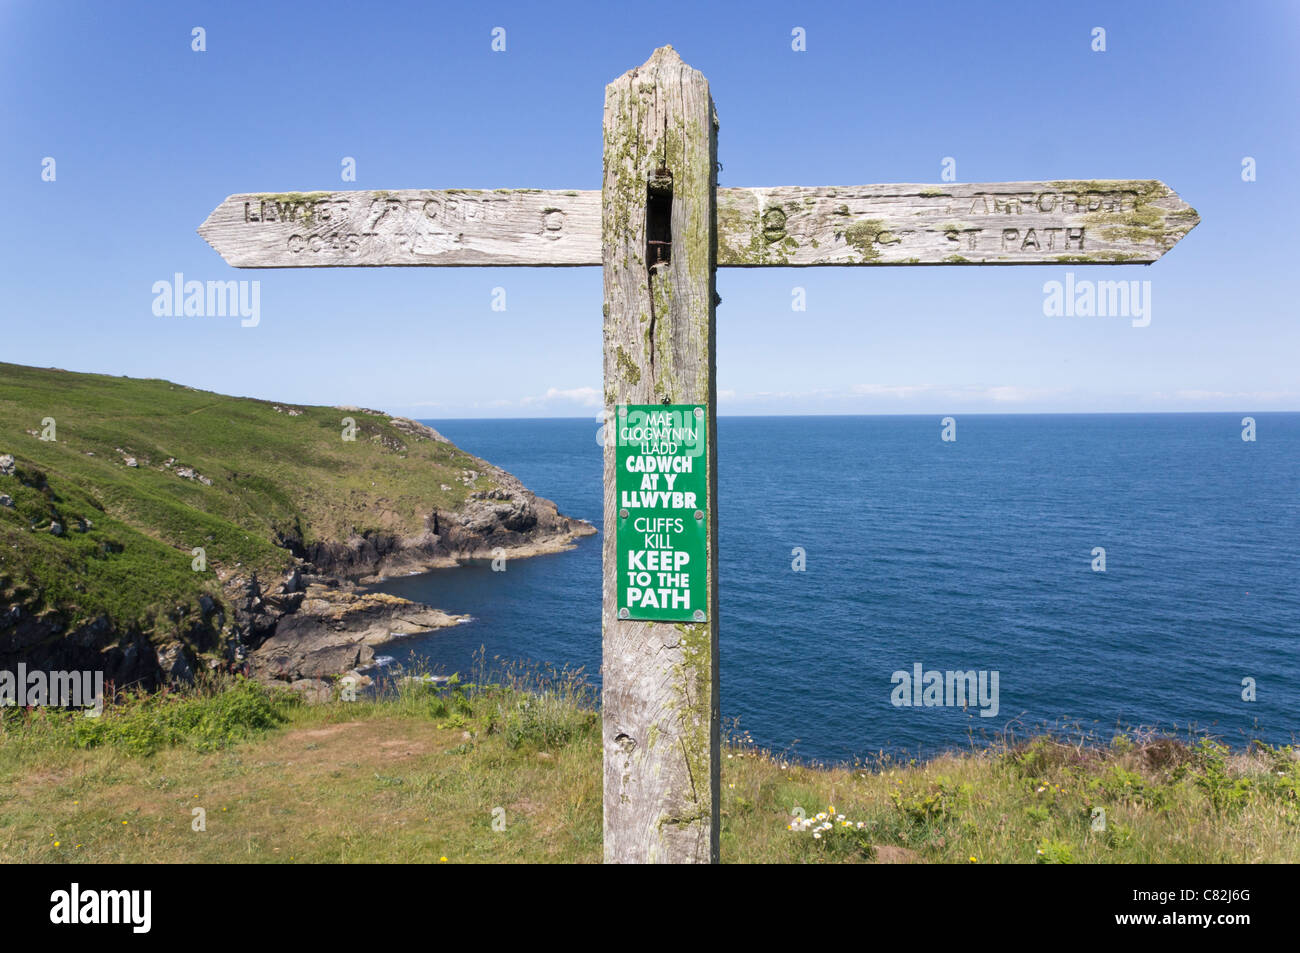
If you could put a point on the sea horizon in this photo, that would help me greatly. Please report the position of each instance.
(432, 421)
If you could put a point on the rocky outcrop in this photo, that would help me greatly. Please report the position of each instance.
(334, 630)
(176, 662)
(127, 658)
(317, 624)
(508, 518)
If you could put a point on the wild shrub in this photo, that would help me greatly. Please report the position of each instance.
(545, 721)
(143, 724)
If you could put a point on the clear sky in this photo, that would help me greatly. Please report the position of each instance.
(148, 136)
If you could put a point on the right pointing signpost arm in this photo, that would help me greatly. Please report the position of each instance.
(1004, 223)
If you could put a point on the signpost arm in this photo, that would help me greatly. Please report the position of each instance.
(659, 251)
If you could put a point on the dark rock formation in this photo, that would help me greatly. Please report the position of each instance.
(334, 630)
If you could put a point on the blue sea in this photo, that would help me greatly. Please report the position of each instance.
(970, 555)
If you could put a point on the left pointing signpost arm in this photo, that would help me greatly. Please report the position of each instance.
(406, 227)
(1102, 222)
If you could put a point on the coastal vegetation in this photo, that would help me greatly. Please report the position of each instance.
(508, 769)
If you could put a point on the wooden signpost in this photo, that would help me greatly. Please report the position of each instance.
(660, 227)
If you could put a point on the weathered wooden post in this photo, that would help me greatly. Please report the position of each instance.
(659, 677)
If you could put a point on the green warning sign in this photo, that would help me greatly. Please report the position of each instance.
(662, 494)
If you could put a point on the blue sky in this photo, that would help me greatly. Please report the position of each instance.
(149, 136)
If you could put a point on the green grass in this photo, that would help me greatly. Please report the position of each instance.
(274, 476)
(422, 774)
(218, 715)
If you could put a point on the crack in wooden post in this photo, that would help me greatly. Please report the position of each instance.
(659, 679)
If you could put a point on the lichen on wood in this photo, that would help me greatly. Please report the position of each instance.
(993, 223)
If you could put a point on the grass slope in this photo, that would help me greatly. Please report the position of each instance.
(295, 477)
(422, 776)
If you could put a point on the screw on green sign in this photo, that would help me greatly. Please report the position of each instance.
(663, 507)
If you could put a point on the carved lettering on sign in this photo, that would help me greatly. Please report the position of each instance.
(1025, 203)
(1087, 222)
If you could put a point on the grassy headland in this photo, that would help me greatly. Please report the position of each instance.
(142, 517)
(131, 459)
